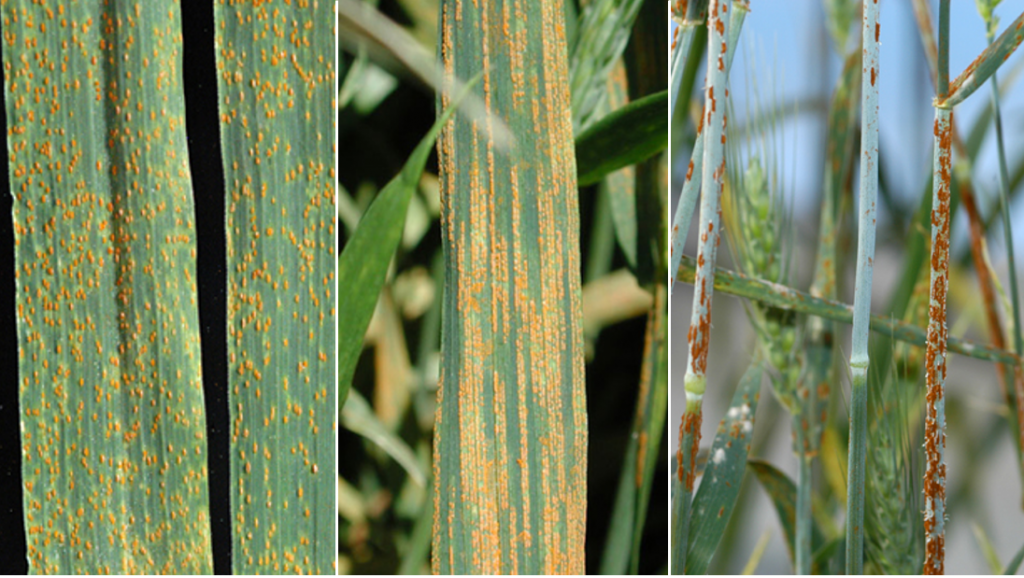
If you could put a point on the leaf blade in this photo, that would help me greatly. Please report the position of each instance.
(720, 486)
(277, 136)
(111, 393)
(510, 435)
(364, 263)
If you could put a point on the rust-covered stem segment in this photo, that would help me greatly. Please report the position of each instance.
(1011, 380)
(935, 353)
(691, 186)
(935, 356)
(870, 31)
(510, 439)
(699, 333)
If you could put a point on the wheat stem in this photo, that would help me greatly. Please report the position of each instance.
(862, 297)
(935, 356)
(691, 187)
(700, 321)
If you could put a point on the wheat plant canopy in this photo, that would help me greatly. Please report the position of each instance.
(510, 440)
(276, 72)
(113, 433)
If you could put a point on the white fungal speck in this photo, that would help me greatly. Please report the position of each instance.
(719, 456)
(748, 426)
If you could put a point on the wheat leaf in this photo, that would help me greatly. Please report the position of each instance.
(276, 95)
(723, 474)
(782, 492)
(510, 442)
(363, 264)
(114, 463)
(1014, 564)
(624, 137)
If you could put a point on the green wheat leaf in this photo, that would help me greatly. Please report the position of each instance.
(647, 70)
(782, 492)
(624, 137)
(723, 474)
(604, 30)
(787, 298)
(987, 63)
(510, 440)
(276, 72)
(363, 264)
(113, 430)
(621, 549)
(1014, 564)
(357, 416)
(620, 185)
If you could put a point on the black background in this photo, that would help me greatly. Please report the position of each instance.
(202, 124)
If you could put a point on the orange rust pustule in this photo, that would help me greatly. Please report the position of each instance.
(700, 336)
(689, 430)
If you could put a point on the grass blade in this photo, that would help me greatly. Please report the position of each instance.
(691, 187)
(114, 451)
(757, 554)
(1016, 401)
(987, 549)
(935, 360)
(690, 20)
(363, 264)
(783, 297)
(720, 485)
(357, 416)
(624, 137)
(621, 549)
(699, 335)
(646, 60)
(818, 361)
(365, 29)
(620, 186)
(1008, 377)
(510, 438)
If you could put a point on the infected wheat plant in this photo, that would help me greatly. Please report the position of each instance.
(879, 455)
